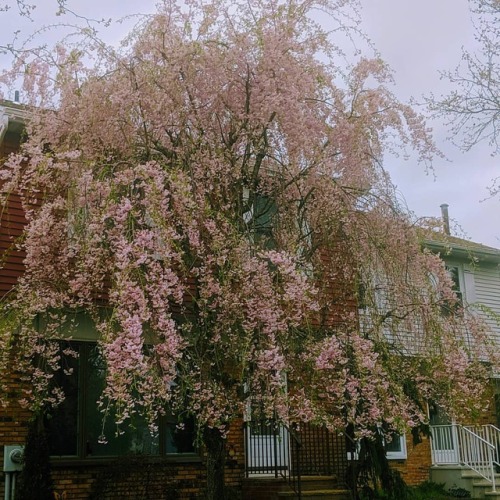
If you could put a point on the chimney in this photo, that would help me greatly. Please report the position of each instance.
(446, 218)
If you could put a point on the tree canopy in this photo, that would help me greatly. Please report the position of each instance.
(212, 196)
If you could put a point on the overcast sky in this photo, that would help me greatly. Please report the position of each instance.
(417, 39)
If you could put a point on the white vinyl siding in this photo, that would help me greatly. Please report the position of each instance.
(487, 293)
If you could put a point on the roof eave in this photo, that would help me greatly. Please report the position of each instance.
(448, 249)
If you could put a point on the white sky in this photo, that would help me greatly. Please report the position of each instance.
(417, 39)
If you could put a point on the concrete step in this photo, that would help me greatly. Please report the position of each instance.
(481, 482)
(463, 477)
(483, 489)
(318, 482)
(492, 495)
(333, 494)
(312, 488)
(469, 473)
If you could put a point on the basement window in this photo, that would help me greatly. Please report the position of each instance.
(396, 448)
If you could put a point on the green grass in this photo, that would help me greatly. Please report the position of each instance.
(427, 491)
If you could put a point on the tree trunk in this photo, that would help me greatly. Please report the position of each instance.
(35, 480)
(215, 446)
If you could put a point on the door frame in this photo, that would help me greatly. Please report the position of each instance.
(444, 435)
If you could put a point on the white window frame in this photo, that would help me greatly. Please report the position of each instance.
(402, 453)
(462, 298)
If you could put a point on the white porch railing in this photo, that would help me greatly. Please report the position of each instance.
(491, 434)
(456, 444)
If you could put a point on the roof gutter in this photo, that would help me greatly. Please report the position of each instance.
(473, 254)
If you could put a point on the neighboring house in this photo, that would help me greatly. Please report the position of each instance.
(456, 449)
(460, 454)
(459, 447)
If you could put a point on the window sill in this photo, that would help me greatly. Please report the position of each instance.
(63, 462)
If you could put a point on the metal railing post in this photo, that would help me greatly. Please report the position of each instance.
(275, 450)
(246, 446)
(493, 478)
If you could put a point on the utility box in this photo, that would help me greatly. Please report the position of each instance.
(13, 455)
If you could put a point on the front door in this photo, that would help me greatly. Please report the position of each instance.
(444, 435)
(267, 447)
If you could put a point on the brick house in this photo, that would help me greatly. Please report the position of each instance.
(134, 465)
(262, 459)
(13, 423)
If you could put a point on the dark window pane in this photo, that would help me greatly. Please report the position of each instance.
(136, 437)
(452, 307)
(264, 213)
(454, 275)
(76, 426)
(395, 445)
(180, 438)
(62, 423)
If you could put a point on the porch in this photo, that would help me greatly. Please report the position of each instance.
(467, 457)
(300, 462)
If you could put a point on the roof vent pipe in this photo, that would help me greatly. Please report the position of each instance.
(446, 218)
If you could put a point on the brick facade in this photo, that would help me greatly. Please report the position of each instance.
(12, 222)
(415, 468)
(128, 477)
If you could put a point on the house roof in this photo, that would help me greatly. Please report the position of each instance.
(451, 246)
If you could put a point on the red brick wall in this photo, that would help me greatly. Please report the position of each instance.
(129, 477)
(336, 287)
(415, 469)
(13, 421)
(12, 222)
(136, 478)
(183, 480)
